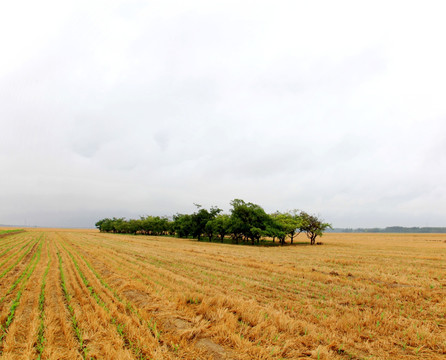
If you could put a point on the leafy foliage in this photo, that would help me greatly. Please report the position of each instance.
(247, 222)
(312, 226)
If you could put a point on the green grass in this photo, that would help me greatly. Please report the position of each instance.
(78, 332)
(11, 256)
(120, 328)
(41, 333)
(10, 231)
(22, 275)
(25, 276)
(152, 325)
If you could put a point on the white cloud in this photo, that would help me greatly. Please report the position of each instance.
(128, 107)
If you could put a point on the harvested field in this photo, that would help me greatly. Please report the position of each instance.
(74, 294)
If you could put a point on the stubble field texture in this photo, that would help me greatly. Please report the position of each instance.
(81, 294)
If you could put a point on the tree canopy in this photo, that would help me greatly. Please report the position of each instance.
(247, 223)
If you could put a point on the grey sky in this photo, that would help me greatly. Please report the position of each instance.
(127, 108)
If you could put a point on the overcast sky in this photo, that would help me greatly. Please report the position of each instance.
(128, 108)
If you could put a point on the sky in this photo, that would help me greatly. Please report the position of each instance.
(133, 108)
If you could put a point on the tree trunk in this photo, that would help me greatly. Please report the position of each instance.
(313, 239)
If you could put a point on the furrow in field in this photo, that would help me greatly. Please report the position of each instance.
(329, 305)
(11, 237)
(367, 299)
(8, 249)
(129, 327)
(179, 340)
(39, 345)
(187, 302)
(224, 272)
(6, 330)
(269, 279)
(79, 333)
(12, 242)
(23, 332)
(11, 260)
(7, 234)
(206, 273)
(12, 280)
(60, 339)
(171, 317)
(174, 279)
(96, 338)
(137, 329)
(313, 307)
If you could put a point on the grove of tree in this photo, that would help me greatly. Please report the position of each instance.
(246, 223)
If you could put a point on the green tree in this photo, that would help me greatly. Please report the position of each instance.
(182, 225)
(200, 218)
(117, 225)
(248, 221)
(288, 223)
(102, 224)
(221, 225)
(312, 226)
(209, 229)
(134, 226)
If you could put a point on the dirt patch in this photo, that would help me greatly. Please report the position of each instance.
(216, 351)
(396, 285)
(138, 297)
(11, 233)
(177, 324)
(373, 280)
(106, 272)
(116, 281)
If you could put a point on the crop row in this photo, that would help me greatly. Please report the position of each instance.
(20, 283)
(139, 333)
(81, 295)
(269, 308)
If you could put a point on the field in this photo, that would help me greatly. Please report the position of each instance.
(72, 294)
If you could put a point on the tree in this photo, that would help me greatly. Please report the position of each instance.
(120, 225)
(274, 230)
(160, 225)
(248, 221)
(289, 223)
(312, 226)
(285, 224)
(200, 218)
(102, 224)
(134, 226)
(221, 225)
(182, 224)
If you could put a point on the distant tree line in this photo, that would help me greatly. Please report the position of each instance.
(393, 229)
(246, 223)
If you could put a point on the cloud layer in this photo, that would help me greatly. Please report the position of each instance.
(126, 108)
